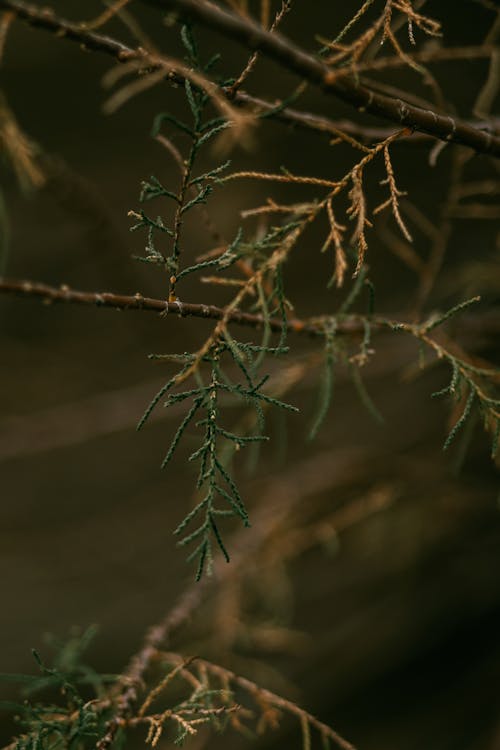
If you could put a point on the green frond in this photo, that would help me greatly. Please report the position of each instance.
(180, 431)
(163, 390)
(189, 42)
(280, 296)
(363, 394)
(440, 319)
(211, 174)
(200, 198)
(202, 530)
(237, 500)
(212, 62)
(259, 348)
(185, 357)
(211, 133)
(356, 289)
(193, 102)
(146, 221)
(167, 117)
(176, 398)
(218, 537)
(190, 516)
(284, 103)
(327, 382)
(452, 389)
(213, 474)
(241, 439)
(462, 420)
(154, 189)
(236, 354)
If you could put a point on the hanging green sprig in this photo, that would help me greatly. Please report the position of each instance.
(193, 190)
(220, 495)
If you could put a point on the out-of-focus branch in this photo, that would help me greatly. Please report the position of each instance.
(310, 477)
(365, 133)
(132, 678)
(46, 19)
(346, 87)
(266, 696)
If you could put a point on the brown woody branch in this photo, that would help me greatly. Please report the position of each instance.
(364, 133)
(471, 327)
(132, 679)
(50, 294)
(346, 87)
(47, 20)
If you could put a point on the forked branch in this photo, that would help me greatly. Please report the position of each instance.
(347, 88)
(426, 122)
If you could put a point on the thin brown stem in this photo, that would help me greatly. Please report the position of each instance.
(50, 294)
(131, 680)
(231, 91)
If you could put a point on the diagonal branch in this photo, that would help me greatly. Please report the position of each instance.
(310, 477)
(347, 88)
(47, 20)
(266, 696)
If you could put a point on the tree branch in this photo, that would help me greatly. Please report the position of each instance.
(50, 294)
(364, 133)
(345, 87)
(47, 20)
(131, 680)
(353, 325)
(309, 478)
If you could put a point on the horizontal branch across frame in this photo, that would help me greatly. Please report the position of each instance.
(50, 294)
(350, 325)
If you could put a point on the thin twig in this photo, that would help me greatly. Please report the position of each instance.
(265, 696)
(50, 294)
(131, 680)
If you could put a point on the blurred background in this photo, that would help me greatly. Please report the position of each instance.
(375, 602)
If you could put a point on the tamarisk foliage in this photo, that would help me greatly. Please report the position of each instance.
(193, 191)
(298, 215)
(78, 711)
(182, 696)
(465, 387)
(214, 479)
